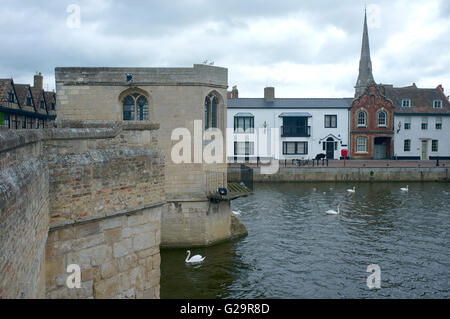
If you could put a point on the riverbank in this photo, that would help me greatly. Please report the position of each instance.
(347, 174)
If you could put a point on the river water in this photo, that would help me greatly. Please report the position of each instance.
(295, 250)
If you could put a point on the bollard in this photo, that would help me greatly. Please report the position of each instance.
(437, 161)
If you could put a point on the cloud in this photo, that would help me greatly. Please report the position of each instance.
(303, 48)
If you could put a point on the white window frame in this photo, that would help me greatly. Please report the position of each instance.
(385, 119)
(438, 122)
(424, 122)
(407, 121)
(406, 103)
(437, 102)
(365, 145)
(365, 118)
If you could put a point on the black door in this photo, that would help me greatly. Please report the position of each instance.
(330, 148)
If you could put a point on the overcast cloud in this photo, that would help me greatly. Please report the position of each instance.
(303, 48)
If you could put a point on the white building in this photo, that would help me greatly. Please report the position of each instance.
(421, 122)
(286, 128)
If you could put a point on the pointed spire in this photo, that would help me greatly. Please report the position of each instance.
(365, 64)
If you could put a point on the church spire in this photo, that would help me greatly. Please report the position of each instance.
(365, 65)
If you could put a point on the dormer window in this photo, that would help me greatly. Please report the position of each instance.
(406, 103)
(437, 104)
(11, 97)
(29, 101)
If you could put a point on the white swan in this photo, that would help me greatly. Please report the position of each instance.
(333, 212)
(404, 189)
(236, 212)
(352, 190)
(194, 259)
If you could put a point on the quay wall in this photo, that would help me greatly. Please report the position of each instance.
(348, 174)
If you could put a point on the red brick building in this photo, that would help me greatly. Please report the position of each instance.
(372, 124)
(371, 114)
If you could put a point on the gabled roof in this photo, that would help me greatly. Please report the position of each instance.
(38, 95)
(421, 100)
(22, 91)
(49, 98)
(5, 85)
(294, 103)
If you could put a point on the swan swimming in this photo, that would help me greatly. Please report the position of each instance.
(236, 212)
(333, 212)
(194, 259)
(352, 190)
(404, 189)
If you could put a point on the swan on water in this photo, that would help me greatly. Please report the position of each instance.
(236, 212)
(404, 189)
(194, 259)
(351, 190)
(333, 212)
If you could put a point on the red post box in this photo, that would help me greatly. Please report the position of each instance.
(344, 154)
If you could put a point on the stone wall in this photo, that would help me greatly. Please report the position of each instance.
(118, 256)
(195, 223)
(176, 98)
(348, 174)
(24, 217)
(86, 193)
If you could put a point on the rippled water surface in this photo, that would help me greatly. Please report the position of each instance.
(295, 250)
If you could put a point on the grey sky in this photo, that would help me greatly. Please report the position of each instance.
(303, 48)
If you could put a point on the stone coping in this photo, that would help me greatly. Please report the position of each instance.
(71, 130)
(90, 219)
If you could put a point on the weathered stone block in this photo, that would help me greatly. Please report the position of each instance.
(122, 248)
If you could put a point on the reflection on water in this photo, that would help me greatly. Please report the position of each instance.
(295, 250)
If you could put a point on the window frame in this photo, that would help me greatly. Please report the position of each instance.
(437, 107)
(385, 118)
(435, 146)
(248, 145)
(424, 124)
(366, 144)
(358, 118)
(406, 100)
(438, 124)
(250, 129)
(137, 112)
(407, 142)
(296, 147)
(329, 123)
(407, 121)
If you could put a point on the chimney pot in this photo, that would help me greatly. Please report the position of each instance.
(234, 92)
(269, 94)
(38, 81)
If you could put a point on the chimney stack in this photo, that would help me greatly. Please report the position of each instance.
(234, 92)
(38, 81)
(269, 94)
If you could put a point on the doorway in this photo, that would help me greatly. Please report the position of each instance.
(330, 148)
(424, 153)
(381, 147)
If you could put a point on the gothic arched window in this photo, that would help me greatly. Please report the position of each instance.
(211, 103)
(135, 107)
(382, 118)
(361, 119)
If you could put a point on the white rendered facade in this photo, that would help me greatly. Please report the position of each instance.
(421, 145)
(268, 138)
